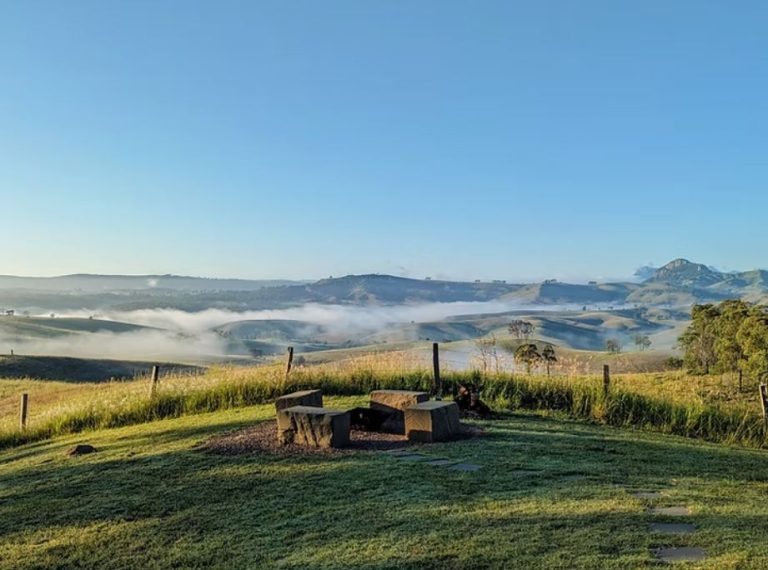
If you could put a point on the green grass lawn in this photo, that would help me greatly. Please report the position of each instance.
(551, 493)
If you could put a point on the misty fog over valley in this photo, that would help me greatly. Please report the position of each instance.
(204, 321)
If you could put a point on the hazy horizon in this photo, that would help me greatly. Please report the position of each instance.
(522, 279)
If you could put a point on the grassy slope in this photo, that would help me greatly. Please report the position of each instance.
(147, 499)
(583, 330)
(714, 408)
(464, 354)
(78, 369)
(42, 327)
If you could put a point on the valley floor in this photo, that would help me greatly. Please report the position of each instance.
(550, 493)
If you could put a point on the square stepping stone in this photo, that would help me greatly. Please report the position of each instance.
(465, 467)
(680, 554)
(647, 495)
(671, 511)
(672, 528)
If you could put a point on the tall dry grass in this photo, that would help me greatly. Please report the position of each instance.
(669, 403)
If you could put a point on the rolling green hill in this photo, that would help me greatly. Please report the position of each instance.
(80, 369)
(569, 294)
(584, 316)
(271, 330)
(40, 327)
(387, 289)
(583, 330)
(678, 283)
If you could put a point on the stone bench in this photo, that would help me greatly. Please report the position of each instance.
(312, 398)
(432, 421)
(313, 427)
(394, 403)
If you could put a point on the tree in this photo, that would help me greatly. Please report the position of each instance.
(729, 352)
(727, 337)
(487, 348)
(613, 345)
(548, 356)
(642, 341)
(753, 341)
(698, 341)
(527, 354)
(521, 329)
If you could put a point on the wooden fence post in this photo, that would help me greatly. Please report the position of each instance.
(606, 379)
(437, 381)
(24, 411)
(764, 401)
(153, 381)
(290, 362)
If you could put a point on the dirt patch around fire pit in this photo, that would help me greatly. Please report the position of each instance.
(262, 438)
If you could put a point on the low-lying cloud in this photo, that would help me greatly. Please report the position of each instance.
(137, 345)
(190, 336)
(343, 318)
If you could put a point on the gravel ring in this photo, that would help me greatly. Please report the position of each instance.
(262, 438)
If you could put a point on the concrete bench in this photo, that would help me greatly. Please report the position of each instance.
(394, 403)
(313, 427)
(312, 398)
(432, 421)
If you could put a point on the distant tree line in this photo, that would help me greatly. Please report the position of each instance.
(727, 337)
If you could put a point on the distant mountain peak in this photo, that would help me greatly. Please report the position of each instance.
(681, 262)
(684, 272)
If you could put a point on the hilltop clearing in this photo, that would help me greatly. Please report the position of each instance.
(547, 493)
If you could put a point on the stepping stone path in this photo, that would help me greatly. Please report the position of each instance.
(671, 511)
(671, 554)
(648, 495)
(668, 555)
(672, 528)
(680, 554)
(465, 467)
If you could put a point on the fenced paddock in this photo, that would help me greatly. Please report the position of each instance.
(709, 408)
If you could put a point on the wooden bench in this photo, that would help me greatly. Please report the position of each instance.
(313, 427)
(432, 421)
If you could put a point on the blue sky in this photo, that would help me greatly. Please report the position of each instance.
(512, 140)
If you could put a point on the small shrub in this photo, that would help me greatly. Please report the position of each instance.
(673, 363)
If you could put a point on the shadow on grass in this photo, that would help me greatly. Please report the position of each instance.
(368, 510)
